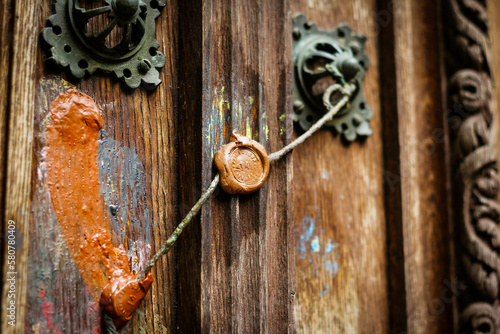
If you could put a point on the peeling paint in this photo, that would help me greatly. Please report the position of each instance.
(306, 236)
(123, 186)
(315, 245)
(332, 268)
(142, 324)
(265, 127)
(324, 292)
(329, 247)
(248, 131)
(320, 251)
(214, 126)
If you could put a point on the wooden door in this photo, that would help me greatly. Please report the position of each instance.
(361, 237)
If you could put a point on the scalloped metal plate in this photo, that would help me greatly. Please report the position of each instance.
(312, 44)
(71, 48)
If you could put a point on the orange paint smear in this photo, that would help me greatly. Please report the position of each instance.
(73, 179)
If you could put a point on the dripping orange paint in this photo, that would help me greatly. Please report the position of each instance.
(73, 179)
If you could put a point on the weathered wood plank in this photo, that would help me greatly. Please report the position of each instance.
(18, 170)
(340, 227)
(6, 27)
(188, 250)
(139, 146)
(416, 177)
(276, 130)
(246, 258)
(392, 176)
(216, 215)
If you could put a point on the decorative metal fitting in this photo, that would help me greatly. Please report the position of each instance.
(321, 59)
(134, 60)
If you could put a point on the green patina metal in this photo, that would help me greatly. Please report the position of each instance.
(322, 58)
(135, 59)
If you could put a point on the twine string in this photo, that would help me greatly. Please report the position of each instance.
(332, 111)
(346, 91)
(185, 222)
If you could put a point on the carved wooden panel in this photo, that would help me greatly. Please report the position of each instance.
(472, 120)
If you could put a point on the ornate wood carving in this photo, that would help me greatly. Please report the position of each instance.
(474, 161)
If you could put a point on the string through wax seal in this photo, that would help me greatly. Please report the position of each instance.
(243, 165)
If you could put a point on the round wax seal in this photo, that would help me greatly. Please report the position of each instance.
(121, 297)
(243, 165)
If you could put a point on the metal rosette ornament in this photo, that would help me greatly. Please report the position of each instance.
(321, 59)
(135, 58)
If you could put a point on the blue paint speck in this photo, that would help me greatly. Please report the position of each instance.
(315, 246)
(311, 227)
(329, 247)
(332, 268)
(327, 287)
(308, 224)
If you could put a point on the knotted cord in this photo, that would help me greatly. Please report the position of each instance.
(346, 91)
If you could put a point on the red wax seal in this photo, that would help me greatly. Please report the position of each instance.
(121, 297)
(243, 165)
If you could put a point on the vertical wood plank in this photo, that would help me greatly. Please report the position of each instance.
(188, 250)
(246, 276)
(216, 218)
(340, 227)
(19, 154)
(276, 130)
(416, 177)
(139, 144)
(247, 271)
(392, 175)
(6, 34)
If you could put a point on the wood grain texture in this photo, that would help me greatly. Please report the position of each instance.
(340, 227)
(188, 250)
(341, 238)
(247, 261)
(139, 149)
(494, 29)
(6, 33)
(18, 170)
(392, 176)
(416, 174)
